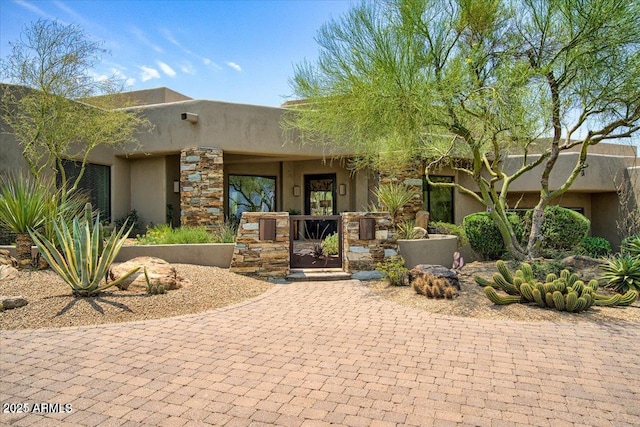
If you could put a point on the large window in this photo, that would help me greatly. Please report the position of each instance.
(96, 182)
(251, 194)
(438, 200)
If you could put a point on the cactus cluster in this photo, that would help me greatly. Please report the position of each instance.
(433, 287)
(564, 293)
(154, 288)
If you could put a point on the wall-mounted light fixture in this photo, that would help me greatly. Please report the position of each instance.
(176, 186)
(296, 191)
(190, 117)
(342, 189)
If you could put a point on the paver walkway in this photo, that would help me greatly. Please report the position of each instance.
(320, 353)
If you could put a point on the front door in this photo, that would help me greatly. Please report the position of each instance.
(320, 200)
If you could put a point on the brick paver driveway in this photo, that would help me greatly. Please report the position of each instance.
(320, 353)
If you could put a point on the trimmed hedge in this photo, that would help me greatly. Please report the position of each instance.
(485, 238)
(595, 247)
(562, 230)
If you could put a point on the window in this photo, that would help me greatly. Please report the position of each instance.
(96, 182)
(251, 194)
(438, 200)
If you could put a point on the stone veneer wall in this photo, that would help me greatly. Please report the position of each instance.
(201, 187)
(410, 176)
(359, 254)
(262, 258)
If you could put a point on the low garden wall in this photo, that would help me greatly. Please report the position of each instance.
(438, 249)
(361, 254)
(209, 254)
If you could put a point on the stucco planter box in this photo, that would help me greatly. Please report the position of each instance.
(209, 254)
(438, 249)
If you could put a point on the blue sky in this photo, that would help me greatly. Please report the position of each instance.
(235, 50)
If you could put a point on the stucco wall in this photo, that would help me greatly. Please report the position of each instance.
(148, 190)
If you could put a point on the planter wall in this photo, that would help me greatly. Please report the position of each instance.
(209, 254)
(438, 249)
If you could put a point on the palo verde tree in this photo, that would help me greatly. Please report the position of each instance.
(465, 83)
(48, 107)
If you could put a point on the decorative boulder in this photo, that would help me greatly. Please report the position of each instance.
(420, 233)
(9, 303)
(422, 219)
(7, 259)
(8, 272)
(439, 271)
(158, 270)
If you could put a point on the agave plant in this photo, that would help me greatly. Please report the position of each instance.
(393, 197)
(23, 206)
(622, 273)
(84, 256)
(631, 246)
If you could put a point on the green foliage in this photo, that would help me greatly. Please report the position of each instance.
(563, 292)
(622, 273)
(453, 229)
(131, 219)
(330, 244)
(631, 246)
(393, 197)
(484, 237)
(394, 270)
(225, 233)
(154, 288)
(406, 229)
(84, 256)
(164, 234)
(541, 269)
(23, 202)
(595, 247)
(562, 230)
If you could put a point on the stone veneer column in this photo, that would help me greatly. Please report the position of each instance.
(411, 176)
(262, 258)
(359, 254)
(201, 187)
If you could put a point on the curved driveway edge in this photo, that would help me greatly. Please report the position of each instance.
(322, 353)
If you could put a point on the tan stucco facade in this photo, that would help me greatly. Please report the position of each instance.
(252, 142)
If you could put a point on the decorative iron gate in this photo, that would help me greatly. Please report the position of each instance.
(307, 234)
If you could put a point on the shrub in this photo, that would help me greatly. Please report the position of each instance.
(131, 219)
(164, 234)
(393, 197)
(225, 233)
(84, 256)
(456, 230)
(330, 244)
(622, 273)
(631, 246)
(595, 247)
(562, 230)
(484, 237)
(394, 270)
(406, 229)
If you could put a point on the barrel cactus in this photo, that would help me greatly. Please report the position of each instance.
(564, 293)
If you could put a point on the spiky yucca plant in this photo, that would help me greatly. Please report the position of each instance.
(84, 257)
(393, 197)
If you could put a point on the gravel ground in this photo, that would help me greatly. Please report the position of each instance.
(51, 303)
(472, 302)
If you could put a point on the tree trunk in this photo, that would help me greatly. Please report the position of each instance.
(23, 250)
(535, 236)
(508, 235)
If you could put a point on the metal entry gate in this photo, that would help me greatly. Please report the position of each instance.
(307, 232)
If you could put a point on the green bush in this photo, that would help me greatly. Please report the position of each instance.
(562, 230)
(595, 247)
(164, 234)
(484, 237)
(456, 230)
(394, 270)
(622, 273)
(330, 244)
(225, 233)
(631, 246)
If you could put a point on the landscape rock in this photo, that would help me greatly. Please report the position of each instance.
(422, 219)
(588, 268)
(9, 303)
(8, 272)
(367, 275)
(420, 233)
(7, 259)
(435, 270)
(158, 270)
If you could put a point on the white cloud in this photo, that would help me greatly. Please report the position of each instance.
(166, 69)
(34, 9)
(187, 68)
(209, 63)
(148, 73)
(142, 37)
(234, 66)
